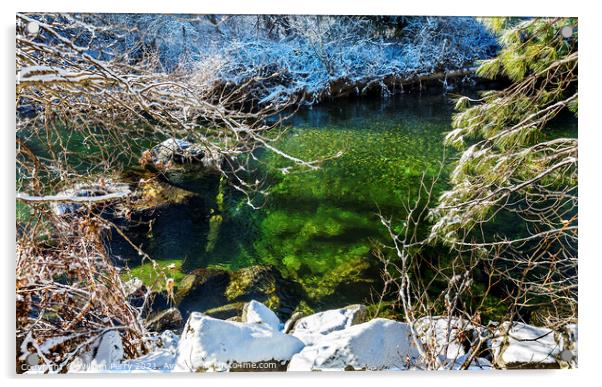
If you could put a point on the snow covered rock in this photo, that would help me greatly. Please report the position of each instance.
(257, 313)
(447, 337)
(105, 356)
(519, 345)
(312, 328)
(211, 344)
(162, 359)
(173, 151)
(375, 345)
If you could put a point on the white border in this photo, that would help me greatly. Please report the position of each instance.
(589, 173)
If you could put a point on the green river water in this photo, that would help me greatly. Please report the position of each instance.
(317, 227)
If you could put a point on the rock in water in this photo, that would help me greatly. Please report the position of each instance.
(256, 313)
(222, 294)
(265, 284)
(182, 161)
(311, 328)
(379, 344)
(165, 319)
(202, 290)
(211, 344)
(519, 345)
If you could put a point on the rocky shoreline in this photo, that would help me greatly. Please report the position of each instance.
(337, 339)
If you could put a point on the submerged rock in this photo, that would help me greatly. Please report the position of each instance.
(163, 320)
(203, 290)
(312, 328)
(265, 284)
(217, 345)
(232, 311)
(223, 294)
(379, 344)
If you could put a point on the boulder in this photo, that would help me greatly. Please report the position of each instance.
(178, 151)
(209, 344)
(568, 343)
(311, 328)
(256, 313)
(519, 345)
(379, 344)
(134, 287)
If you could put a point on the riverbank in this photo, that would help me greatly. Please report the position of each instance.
(339, 339)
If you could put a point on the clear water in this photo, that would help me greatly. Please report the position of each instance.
(318, 227)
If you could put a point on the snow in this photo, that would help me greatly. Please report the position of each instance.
(310, 329)
(523, 345)
(375, 345)
(162, 359)
(211, 344)
(477, 364)
(441, 334)
(295, 54)
(257, 313)
(49, 74)
(105, 357)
